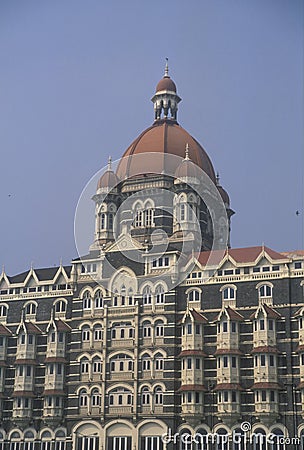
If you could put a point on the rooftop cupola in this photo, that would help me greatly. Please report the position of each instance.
(165, 98)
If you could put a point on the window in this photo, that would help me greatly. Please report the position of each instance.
(159, 330)
(225, 360)
(264, 396)
(116, 443)
(3, 310)
(111, 221)
(197, 363)
(96, 397)
(146, 330)
(97, 365)
(89, 443)
(263, 360)
(197, 329)
(298, 265)
(233, 361)
(158, 395)
(159, 294)
(189, 363)
(145, 396)
(98, 300)
(86, 302)
(86, 334)
(194, 296)
(103, 221)
(85, 366)
(146, 363)
(262, 324)
(225, 327)
(182, 211)
(189, 328)
(229, 293)
(270, 324)
(233, 327)
(83, 398)
(98, 333)
(60, 306)
(30, 309)
(138, 222)
(159, 362)
(147, 296)
(149, 216)
(152, 443)
(265, 291)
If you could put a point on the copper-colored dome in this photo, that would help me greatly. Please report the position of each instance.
(166, 84)
(224, 195)
(164, 137)
(108, 180)
(187, 170)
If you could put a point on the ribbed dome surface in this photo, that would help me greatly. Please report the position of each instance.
(164, 137)
(166, 84)
(108, 180)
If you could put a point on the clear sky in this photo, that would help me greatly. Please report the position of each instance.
(76, 78)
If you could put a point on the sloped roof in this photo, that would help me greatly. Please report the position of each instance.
(4, 331)
(239, 255)
(44, 274)
(231, 313)
(228, 387)
(265, 349)
(192, 387)
(192, 353)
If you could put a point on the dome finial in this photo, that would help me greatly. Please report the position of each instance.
(217, 179)
(166, 69)
(110, 163)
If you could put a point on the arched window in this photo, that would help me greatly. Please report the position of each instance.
(149, 215)
(102, 221)
(147, 329)
(185, 440)
(30, 309)
(123, 295)
(111, 221)
(120, 397)
(229, 293)
(259, 439)
(83, 398)
(147, 295)
(28, 440)
(158, 396)
(85, 366)
(1, 440)
(159, 329)
(98, 333)
(265, 290)
(139, 216)
(146, 362)
(3, 310)
(86, 332)
(194, 296)
(46, 441)
(130, 297)
(159, 361)
(222, 439)
(86, 301)
(182, 212)
(97, 365)
(98, 300)
(159, 294)
(96, 397)
(15, 441)
(145, 396)
(60, 306)
(60, 440)
(239, 441)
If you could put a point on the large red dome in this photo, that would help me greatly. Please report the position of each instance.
(164, 137)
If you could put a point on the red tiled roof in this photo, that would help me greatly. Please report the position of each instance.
(62, 326)
(192, 387)
(198, 317)
(265, 385)
(270, 312)
(58, 359)
(32, 328)
(232, 314)
(23, 394)
(228, 351)
(265, 349)
(192, 352)
(4, 331)
(54, 392)
(228, 387)
(294, 253)
(240, 255)
(26, 361)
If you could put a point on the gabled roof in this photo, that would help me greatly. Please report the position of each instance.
(265, 349)
(44, 274)
(29, 327)
(228, 387)
(194, 315)
(4, 331)
(267, 312)
(230, 313)
(249, 255)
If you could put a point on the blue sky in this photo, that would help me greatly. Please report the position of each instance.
(76, 80)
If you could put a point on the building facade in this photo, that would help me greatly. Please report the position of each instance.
(148, 342)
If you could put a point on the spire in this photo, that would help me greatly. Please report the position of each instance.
(166, 69)
(110, 163)
(217, 179)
